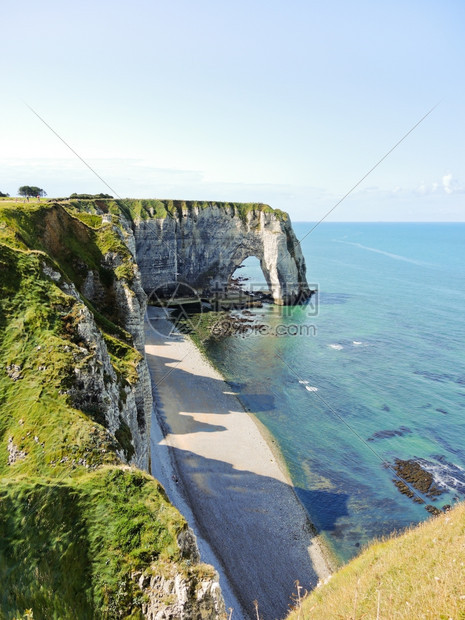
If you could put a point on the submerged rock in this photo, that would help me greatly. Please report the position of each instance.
(412, 472)
(402, 430)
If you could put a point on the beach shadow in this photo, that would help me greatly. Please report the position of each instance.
(164, 369)
(255, 526)
(254, 523)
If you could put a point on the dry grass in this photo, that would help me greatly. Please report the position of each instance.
(419, 574)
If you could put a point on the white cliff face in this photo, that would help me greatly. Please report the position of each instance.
(120, 405)
(96, 386)
(176, 596)
(190, 594)
(203, 246)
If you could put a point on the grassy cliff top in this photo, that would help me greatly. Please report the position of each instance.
(141, 208)
(135, 209)
(419, 574)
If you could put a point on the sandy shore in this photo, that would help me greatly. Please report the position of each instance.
(220, 472)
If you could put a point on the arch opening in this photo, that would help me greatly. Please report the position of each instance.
(248, 282)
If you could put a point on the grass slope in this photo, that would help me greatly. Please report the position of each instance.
(76, 525)
(419, 574)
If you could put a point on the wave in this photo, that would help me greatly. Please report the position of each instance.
(310, 388)
(446, 475)
(336, 347)
(389, 254)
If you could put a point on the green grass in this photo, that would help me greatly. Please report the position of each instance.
(75, 248)
(419, 574)
(36, 338)
(74, 240)
(135, 209)
(123, 357)
(68, 547)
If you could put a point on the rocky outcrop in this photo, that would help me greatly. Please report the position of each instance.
(202, 246)
(171, 597)
(103, 271)
(193, 593)
(130, 304)
(96, 388)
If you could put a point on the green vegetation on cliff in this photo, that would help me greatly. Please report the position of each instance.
(69, 547)
(134, 209)
(78, 527)
(419, 574)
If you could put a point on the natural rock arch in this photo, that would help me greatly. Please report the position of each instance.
(202, 245)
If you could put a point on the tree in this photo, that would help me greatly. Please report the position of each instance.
(31, 190)
(2, 195)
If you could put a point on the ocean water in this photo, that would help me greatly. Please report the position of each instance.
(381, 348)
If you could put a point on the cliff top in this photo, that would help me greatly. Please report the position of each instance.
(146, 208)
(141, 208)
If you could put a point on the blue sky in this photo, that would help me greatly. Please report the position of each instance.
(287, 103)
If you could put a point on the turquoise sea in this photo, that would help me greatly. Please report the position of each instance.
(383, 344)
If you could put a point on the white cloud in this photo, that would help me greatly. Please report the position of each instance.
(446, 183)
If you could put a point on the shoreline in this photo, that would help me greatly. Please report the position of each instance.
(222, 469)
(333, 562)
(329, 557)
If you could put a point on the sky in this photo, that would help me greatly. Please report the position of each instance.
(288, 103)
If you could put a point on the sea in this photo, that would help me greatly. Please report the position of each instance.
(371, 370)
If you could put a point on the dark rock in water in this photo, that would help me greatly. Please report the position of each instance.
(403, 488)
(413, 473)
(402, 430)
(446, 507)
(433, 510)
(434, 376)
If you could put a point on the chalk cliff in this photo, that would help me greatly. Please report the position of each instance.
(201, 244)
(104, 272)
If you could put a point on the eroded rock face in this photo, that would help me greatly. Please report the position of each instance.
(96, 387)
(173, 597)
(202, 247)
(189, 590)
